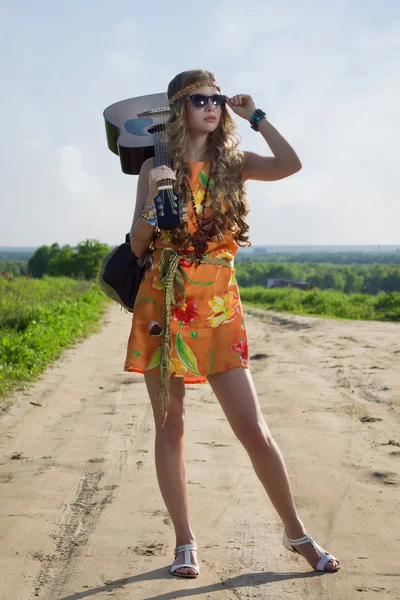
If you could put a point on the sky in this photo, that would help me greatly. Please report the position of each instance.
(325, 73)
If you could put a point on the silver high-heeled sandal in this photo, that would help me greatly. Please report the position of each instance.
(185, 548)
(324, 556)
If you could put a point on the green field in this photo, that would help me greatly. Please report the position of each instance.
(39, 318)
(327, 303)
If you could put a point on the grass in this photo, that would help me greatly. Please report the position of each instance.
(39, 318)
(382, 307)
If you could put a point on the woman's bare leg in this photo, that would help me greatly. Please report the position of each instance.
(237, 396)
(170, 462)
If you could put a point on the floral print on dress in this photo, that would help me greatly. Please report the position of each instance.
(164, 237)
(225, 309)
(212, 306)
(185, 263)
(177, 368)
(154, 328)
(224, 254)
(186, 354)
(198, 199)
(232, 280)
(186, 313)
(242, 349)
(156, 284)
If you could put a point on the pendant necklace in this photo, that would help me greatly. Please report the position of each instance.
(204, 226)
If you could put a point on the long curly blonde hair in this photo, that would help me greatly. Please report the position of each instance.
(227, 162)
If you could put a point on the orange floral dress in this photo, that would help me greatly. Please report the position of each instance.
(208, 331)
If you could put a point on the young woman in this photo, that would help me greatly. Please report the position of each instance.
(188, 323)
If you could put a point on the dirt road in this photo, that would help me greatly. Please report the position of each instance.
(81, 515)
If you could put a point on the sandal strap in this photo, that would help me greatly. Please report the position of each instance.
(301, 540)
(324, 557)
(185, 547)
(187, 565)
(320, 566)
(323, 554)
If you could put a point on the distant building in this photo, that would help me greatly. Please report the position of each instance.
(280, 283)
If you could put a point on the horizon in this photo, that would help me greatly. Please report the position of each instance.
(360, 247)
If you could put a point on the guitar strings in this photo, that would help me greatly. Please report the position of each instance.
(167, 161)
(163, 157)
(173, 197)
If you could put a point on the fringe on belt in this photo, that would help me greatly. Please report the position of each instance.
(172, 282)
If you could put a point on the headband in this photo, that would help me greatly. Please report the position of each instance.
(191, 88)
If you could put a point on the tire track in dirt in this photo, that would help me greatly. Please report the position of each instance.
(74, 533)
(79, 517)
(125, 437)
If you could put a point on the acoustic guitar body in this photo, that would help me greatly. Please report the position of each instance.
(135, 130)
(129, 135)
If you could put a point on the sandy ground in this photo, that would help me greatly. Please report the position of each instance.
(81, 514)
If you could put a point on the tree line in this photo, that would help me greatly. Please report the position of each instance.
(84, 260)
(365, 279)
(333, 258)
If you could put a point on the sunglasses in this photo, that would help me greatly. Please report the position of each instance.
(200, 100)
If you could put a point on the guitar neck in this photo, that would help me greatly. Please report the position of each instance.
(161, 150)
(162, 156)
(166, 202)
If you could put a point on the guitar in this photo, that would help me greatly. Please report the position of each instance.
(135, 130)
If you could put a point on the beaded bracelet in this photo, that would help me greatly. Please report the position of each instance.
(257, 116)
(149, 216)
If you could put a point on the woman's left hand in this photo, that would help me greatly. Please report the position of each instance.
(242, 105)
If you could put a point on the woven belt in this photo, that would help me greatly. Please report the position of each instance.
(172, 281)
